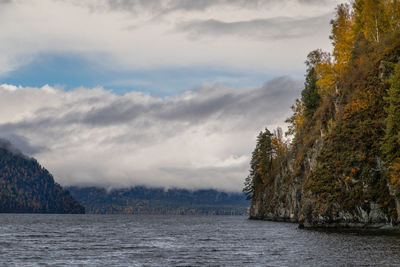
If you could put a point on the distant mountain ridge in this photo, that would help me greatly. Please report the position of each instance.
(142, 200)
(27, 187)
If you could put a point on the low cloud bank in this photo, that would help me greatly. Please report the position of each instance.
(199, 139)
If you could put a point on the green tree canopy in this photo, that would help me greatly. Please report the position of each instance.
(309, 95)
(260, 164)
(391, 140)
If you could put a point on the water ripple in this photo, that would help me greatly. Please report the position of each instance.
(104, 240)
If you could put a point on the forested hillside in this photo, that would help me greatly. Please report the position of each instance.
(142, 200)
(341, 166)
(26, 187)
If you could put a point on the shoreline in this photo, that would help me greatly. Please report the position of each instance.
(335, 226)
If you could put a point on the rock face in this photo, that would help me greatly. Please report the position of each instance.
(286, 199)
(26, 187)
(342, 167)
(280, 201)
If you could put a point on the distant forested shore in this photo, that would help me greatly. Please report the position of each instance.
(143, 200)
(27, 187)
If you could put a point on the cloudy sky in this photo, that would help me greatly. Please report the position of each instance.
(152, 92)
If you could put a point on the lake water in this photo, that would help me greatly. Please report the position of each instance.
(129, 240)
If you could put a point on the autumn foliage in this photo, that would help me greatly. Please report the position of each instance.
(351, 105)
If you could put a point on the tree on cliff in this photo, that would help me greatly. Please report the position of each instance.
(391, 140)
(347, 120)
(266, 161)
(261, 162)
(371, 19)
(310, 96)
(342, 37)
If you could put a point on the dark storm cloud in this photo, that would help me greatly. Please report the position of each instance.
(273, 28)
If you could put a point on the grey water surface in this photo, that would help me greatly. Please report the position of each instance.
(130, 240)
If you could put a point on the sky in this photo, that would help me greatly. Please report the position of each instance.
(166, 93)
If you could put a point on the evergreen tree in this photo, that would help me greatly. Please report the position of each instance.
(309, 95)
(260, 164)
(391, 140)
(253, 180)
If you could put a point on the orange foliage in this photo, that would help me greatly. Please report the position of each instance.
(395, 174)
(342, 38)
(361, 103)
(326, 78)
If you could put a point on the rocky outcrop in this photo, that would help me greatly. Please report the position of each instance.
(278, 201)
(368, 216)
(286, 199)
(343, 167)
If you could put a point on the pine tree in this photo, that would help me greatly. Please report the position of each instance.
(309, 95)
(260, 164)
(391, 140)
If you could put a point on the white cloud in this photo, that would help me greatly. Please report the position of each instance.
(201, 138)
(198, 139)
(144, 34)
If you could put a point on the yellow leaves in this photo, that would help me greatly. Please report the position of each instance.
(299, 120)
(372, 18)
(277, 144)
(392, 9)
(394, 174)
(342, 38)
(362, 101)
(329, 73)
(355, 106)
(326, 78)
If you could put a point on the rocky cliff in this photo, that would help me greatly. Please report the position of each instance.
(341, 168)
(287, 199)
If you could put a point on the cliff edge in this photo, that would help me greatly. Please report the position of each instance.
(341, 166)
